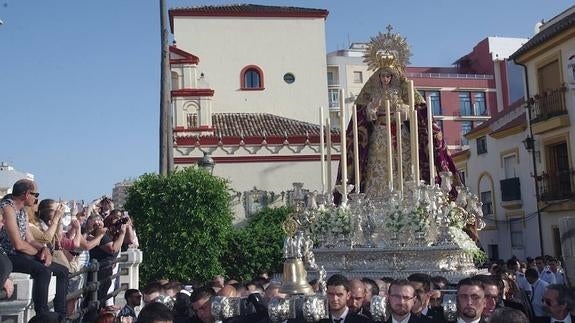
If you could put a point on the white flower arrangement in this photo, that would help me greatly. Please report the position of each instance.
(339, 221)
(402, 220)
(418, 219)
(395, 221)
(461, 239)
(336, 221)
(456, 215)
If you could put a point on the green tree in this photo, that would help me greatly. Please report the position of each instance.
(183, 221)
(256, 247)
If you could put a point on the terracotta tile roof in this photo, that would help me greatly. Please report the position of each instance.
(260, 125)
(546, 34)
(248, 10)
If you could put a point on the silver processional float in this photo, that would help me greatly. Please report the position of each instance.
(398, 224)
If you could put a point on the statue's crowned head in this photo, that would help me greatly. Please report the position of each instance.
(388, 52)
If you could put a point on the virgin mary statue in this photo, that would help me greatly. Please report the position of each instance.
(387, 55)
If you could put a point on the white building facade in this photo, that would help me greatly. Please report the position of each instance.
(248, 85)
(549, 60)
(497, 168)
(9, 175)
(520, 161)
(284, 45)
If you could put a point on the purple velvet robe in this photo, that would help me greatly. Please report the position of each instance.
(443, 160)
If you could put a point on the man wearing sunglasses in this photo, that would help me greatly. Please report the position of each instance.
(27, 255)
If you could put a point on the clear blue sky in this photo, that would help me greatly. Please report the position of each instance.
(79, 80)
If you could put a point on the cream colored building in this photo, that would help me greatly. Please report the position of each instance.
(549, 60)
(497, 168)
(120, 193)
(248, 83)
(8, 176)
(284, 45)
(520, 162)
(345, 71)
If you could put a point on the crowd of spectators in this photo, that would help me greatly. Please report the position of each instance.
(39, 238)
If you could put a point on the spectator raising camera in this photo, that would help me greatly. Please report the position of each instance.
(109, 248)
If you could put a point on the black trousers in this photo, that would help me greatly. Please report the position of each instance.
(41, 274)
(5, 268)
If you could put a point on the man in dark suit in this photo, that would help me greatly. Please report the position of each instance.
(470, 300)
(508, 315)
(201, 300)
(338, 295)
(357, 299)
(493, 287)
(558, 302)
(401, 300)
(422, 285)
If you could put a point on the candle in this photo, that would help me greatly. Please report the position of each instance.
(430, 142)
(356, 151)
(342, 141)
(399, 149)
(416, 145)
(328, 131)
(389, 151)
(413, 132)
(322, 149)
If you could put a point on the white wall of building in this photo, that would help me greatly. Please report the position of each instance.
(9, 176)
(484, 173)
(270, 176)
(345, 66)
(225, 45)
(562, 52)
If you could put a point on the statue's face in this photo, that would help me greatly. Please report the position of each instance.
(385, 78)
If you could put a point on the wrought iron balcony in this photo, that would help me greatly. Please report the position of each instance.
(556, 185)
(548, 104)
(510, 189)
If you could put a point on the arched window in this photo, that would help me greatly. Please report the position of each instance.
(486, 190)
(252, 78)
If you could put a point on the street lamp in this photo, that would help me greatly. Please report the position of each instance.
(529, 143)
(206, 163)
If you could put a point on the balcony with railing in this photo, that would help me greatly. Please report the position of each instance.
(548, 104)
(449, 76)
(556, 185)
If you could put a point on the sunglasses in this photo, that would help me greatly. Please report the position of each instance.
(36, 194)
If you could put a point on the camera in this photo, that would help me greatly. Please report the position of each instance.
(123, 220)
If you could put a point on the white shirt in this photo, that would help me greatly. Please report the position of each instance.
(547, 276)
(560, 277)
(537, 297)
(424, 311)
(460, 320)
(342, 317)
(405, 320)
(522, 281)
(567, 319)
